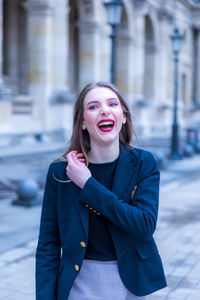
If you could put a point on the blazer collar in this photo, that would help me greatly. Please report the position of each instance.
(124, 171)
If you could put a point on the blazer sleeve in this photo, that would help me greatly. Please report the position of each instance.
(48, 248)
(138, 217)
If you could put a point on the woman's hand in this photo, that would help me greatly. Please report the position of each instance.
(76, 169)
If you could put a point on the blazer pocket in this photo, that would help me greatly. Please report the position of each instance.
(146, 250)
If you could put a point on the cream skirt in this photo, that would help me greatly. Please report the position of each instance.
(100, 280)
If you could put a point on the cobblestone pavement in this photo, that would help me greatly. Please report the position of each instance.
(177, 237)
(20, 224)
(17, 273)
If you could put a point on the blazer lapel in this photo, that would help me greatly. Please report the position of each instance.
(124, 173)
(82, 210)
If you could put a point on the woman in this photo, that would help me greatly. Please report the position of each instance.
(100, 209)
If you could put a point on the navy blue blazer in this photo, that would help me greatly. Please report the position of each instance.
(132, 220)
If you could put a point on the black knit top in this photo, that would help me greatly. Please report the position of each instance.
(100, 245)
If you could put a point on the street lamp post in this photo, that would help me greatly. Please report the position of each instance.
(177, 41)
(114, 12)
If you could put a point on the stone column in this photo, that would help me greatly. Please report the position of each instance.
(60, 104)
(40, 57)
(60, 46)
(140, 111)
(1, 39)
(197, 67)
(164, 76)
(125, 65)
(90, 51)
(12, 41)
(5, 93)
(164, 73)
(139, 57)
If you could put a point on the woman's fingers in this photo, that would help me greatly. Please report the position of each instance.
(74, 157)
(71, 157)
(82, 160)
(76, 169)
(81, 157)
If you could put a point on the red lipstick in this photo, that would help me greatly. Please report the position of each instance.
(106, 125)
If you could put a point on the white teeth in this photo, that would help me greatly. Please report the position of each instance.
(105, 123)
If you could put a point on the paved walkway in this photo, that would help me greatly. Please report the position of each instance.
(179, 239)
(177, 233)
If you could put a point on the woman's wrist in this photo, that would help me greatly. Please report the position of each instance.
(84, 182)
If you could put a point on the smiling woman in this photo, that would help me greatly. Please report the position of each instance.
(103, 117)
(99, 100)
(100, 209)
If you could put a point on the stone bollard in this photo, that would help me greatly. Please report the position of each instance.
(161, 160)
(28, 193)
(188, 150)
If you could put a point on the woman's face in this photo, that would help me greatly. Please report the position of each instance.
(103, 115)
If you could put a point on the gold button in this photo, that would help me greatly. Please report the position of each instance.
(98, 214)
(94, 210)
(83, 244)
(76, 268)
(86, 205)
(91, 208)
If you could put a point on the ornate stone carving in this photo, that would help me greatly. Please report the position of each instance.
(139, 3)
(88, 26)
(38, 7)
(163, 13)
(88, 6)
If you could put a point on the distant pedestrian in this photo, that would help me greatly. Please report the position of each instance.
(100, 209)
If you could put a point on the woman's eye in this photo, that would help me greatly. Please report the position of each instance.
(92, 107)
(113, 104)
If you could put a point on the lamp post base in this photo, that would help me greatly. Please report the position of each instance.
(175, 156)
(175, 150)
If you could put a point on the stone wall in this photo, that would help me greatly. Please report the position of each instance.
(52, 48)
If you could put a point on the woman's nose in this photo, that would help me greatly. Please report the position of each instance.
(105, 110)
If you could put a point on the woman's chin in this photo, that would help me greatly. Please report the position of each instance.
(107, 140)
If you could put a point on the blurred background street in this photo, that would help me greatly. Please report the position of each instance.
(49, 50)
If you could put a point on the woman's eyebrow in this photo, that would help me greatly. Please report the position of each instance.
(93, 101)
(96, 101)
(113, 98)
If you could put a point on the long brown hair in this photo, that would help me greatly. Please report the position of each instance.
(80, 140)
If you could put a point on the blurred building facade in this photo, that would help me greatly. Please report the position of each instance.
(50, 49)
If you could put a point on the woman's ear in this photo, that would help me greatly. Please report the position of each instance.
(83, 125)
(124, 120)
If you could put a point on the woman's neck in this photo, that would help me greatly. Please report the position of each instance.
(103, 153)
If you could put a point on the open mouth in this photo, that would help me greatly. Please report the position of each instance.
(106, 125)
